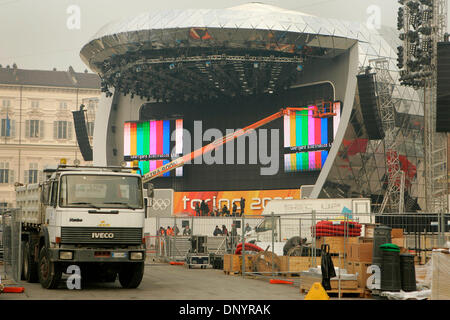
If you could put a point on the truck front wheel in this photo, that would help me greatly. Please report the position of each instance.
(49, 272)
(130, 276)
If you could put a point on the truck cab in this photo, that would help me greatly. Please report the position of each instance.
(91, 217)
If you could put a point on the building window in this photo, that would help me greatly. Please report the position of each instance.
(92, 105)
(62, 130)
(3, 205)
(6, 103)
(34, 128)
(63, 105)
(4, 172)
(90, 129)
(34, 104)
(31, 175)
(7, 128)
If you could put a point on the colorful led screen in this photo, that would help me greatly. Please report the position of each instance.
(308, 138)
(150, 143)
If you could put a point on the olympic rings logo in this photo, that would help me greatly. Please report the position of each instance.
(160, 204)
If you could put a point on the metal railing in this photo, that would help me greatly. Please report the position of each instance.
(420, 233)
(11, 241)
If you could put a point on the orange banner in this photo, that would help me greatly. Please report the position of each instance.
(255, 201)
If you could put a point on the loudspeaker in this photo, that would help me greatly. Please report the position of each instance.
(443, 87)
(369, 108)
(82, 136)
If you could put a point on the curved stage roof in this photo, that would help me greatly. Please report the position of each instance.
(253, 48)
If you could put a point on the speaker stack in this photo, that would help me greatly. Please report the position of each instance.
(369, 108)
(82, 135)
(443, 87)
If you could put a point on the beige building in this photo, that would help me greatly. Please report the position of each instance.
(36, 122)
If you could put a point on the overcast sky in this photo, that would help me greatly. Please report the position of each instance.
(34, 33)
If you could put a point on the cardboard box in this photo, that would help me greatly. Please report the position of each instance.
(337, 244)
(296, 264)
(350, 267)
(396, 233)
(360, 268)
(233, 262)
(365, 240)
(398, 241)
(369, 229)
(360, 252)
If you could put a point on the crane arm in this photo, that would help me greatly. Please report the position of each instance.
(223, 140)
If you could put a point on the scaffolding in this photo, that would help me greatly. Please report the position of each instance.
(435, 142)
(393, 199)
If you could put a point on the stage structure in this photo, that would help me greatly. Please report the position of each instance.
(423, 24)
(228, 68)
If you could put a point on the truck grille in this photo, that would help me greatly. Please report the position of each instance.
(80, 235)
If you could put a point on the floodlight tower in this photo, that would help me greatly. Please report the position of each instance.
(424, 24)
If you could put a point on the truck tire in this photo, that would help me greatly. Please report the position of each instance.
(29, 267)
(110, 277)
(49, 272)
(130, 276)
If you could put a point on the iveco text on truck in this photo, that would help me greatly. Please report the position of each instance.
(90, 217)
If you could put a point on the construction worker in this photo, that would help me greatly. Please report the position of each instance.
(234, 209)
(169, 231)
(186, 231)
(242, 203)
(217, 231)
(197, 209)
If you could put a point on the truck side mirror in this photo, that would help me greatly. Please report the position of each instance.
(150, 191)
(145, 206)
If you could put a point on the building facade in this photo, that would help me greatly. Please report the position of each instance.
(36, 127)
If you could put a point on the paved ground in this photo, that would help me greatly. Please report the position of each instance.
(166, 282)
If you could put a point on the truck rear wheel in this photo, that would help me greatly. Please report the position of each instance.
(30, 268)
(130, 276)
(49, 272)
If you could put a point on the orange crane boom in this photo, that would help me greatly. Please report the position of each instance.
(223, 140)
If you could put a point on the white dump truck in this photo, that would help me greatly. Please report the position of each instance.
(90, 217)
(293, 218)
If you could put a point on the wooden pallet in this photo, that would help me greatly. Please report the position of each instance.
(360, 292)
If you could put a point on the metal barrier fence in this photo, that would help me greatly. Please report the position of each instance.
(296, 234)
(11, 241)
(161, 246)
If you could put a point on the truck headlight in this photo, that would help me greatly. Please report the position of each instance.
(135, 255)
(65, 255)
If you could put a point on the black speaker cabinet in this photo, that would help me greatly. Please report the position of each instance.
(82, 135)
(369, 108)
(443, 87)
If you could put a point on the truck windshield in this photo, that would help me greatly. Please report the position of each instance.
(100, 191)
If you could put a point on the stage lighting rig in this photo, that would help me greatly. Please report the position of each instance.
(400, 18)
(426, 2)
(425, 30)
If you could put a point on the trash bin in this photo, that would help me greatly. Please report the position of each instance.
(381, 235)
(408, 272)
(390, 268)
